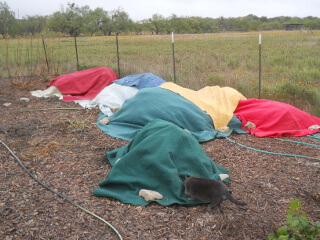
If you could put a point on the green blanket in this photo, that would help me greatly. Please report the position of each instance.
(158, 158)
(157, 103)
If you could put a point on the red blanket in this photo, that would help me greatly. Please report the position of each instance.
(275, 119)
(85, 84)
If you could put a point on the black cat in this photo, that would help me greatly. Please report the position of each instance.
(208, 190)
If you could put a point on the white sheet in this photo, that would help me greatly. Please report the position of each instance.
(49, 92)
(110, 96)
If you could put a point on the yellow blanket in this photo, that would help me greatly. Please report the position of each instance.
(218, 102)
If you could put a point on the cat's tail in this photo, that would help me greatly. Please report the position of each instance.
(233, 200)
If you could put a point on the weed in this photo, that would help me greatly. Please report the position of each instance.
(78, 125)
(83, 66)
(298, 227)
(215, 79)
(297, 93)
(233, 63)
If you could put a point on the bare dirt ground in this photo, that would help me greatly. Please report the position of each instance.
(65, 150)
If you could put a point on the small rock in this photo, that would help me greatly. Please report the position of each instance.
(224, 129)
(105, 120)
(115, 108)
(314, 127)
(187, 131)
(149, 195)
(7, 104)
(223, 176)
(249, 125)
(24, 99)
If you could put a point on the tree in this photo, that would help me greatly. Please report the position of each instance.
(7, 20)
(157, 24)
(177, 24)
(146, 25)
(33, 24)
(70, 21)
(194, 25)
(251, 17)
(312, 24)
(55, 22)
(121, 21)
(104, 21)
(92, 21)
(222, 24)
(253, 25)
(138, 27)
(208, 25)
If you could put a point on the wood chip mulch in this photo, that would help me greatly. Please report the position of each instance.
(65, 150)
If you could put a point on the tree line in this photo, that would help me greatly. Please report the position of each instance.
(74, 21)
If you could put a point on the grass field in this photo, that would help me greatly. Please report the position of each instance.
(290, 61)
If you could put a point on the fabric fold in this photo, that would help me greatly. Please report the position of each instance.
(158, 159)
(158, 103)
(275, 119)
(85, 84)
(218, 102)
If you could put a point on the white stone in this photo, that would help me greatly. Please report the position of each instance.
(249, 125)
(223, 176)
(105, 120)
(24, 99)
(51, 91)
(150, 195)
(115, 108)
(7, 104)
(187, 131)
(314, 127)
(223, 129)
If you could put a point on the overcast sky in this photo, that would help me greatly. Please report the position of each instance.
(143, 9)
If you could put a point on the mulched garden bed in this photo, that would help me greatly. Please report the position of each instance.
(65, 150)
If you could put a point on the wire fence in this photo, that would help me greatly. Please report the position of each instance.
(190, 60)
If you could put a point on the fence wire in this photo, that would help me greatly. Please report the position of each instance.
(290, 59)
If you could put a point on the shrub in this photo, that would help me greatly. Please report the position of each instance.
(296, 94)
(84, 66)
(298, 227)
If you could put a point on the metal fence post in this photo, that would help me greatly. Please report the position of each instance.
(260, 38)
(45, 53)
(173, 59)
(76, 46)
(118, 55)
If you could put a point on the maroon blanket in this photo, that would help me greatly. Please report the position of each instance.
(85, 84)
(275, 119)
